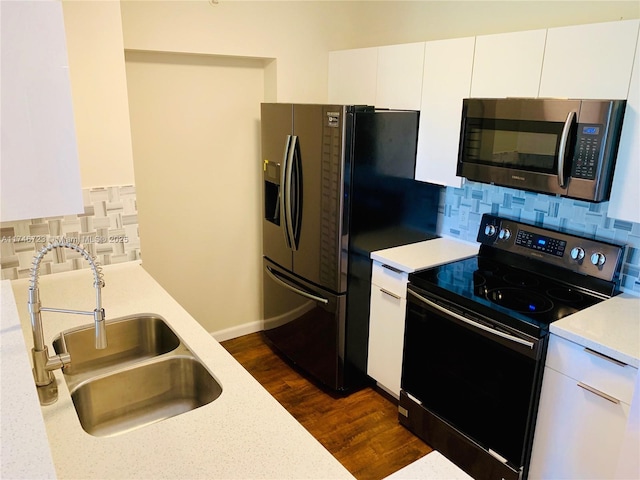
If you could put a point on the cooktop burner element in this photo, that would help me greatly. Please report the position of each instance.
(520, 300)
(565, 294)
(521, 280)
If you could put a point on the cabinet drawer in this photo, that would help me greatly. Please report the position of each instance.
(390, 279)
(591, 369)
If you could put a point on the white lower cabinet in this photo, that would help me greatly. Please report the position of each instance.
(583, 413)
(386, 326)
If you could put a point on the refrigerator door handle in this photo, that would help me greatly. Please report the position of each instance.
(296, 192)
(289, 165)
(285, 206)
(274, 275)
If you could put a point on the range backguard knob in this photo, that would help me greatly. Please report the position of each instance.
(598, 259)
(504, 234)
(490, 230)
(577, 253)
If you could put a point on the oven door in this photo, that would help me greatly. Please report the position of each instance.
(471, 385)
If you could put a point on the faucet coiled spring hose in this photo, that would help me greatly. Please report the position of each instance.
(35, 266)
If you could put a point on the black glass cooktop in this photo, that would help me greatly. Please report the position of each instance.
(521, 299)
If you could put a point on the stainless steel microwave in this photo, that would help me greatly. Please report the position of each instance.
(553, 146)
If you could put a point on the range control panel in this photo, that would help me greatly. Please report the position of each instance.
(583, 255)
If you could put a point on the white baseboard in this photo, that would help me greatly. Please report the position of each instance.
(238, 331)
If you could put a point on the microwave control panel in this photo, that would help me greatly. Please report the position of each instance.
(587, 154)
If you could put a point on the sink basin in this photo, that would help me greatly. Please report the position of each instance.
(130, 339)
(145, 375)
(145, 394)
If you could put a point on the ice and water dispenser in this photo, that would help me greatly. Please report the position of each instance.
(272, 191)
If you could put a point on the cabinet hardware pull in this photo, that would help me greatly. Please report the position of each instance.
(597, 392)
(605, 357)
(397, 297)
(389, 267)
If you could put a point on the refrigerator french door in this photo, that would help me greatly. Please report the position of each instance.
(305, 246)
(305, 323)
(302, 148)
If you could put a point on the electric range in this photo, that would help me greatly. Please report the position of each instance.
(476, 335)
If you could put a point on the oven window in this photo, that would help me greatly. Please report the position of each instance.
(518, 144)
(480, 387)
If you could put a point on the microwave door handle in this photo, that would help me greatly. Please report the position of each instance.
(468, 321)
(562, 149)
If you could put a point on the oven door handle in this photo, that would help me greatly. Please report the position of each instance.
(457, 316)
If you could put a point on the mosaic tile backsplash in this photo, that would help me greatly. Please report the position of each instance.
(108, 230)
(461, 210)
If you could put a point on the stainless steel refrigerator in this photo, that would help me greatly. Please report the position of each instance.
(338, 184)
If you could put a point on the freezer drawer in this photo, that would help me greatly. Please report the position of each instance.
(305, 324)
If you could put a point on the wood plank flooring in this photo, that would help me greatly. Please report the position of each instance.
(361, 430)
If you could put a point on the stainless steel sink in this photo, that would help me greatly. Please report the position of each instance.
(130, 339)
(142, 395)
(145, 375)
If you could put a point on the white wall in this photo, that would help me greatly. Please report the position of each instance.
(392, 22)
(196, 134)
(297, 34)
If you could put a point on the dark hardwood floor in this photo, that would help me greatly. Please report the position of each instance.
(361, 430)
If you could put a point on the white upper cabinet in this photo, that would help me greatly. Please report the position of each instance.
(625, 191)
(352, 76)
(446, 80)
(40, 173)
(508, 64)
(386, 77)
(399, 78)
(589, 61)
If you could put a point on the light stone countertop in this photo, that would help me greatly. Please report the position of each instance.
(24, 453)
(611, 327)
(433, 466)
(244, 434)
(430, 253)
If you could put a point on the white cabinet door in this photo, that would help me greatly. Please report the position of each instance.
(583, 413)
(508, 64)
(445, 82)
(40, 173)
(578, 433)
(589, 61)
(625, 194)
(386, 326)
(386, 339)
(352, 76)
(399, 80)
